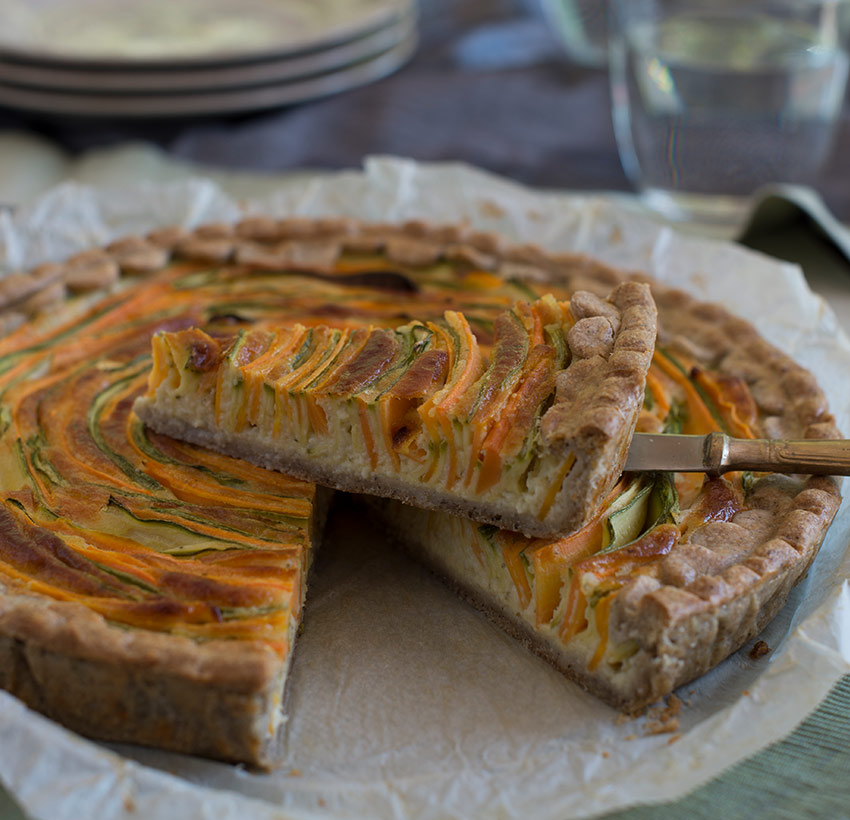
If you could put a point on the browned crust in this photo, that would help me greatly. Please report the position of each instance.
(598, 398)
(142, 687)
(115, 702)
(688, 629)
(65, 626)
(705, 608)
(685, 629)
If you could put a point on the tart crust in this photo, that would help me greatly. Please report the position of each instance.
(212, 699)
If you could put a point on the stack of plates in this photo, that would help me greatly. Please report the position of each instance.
(161, 58)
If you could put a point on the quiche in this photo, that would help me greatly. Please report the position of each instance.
(151, 589)
(531, 441)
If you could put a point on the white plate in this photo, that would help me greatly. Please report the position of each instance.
(249, 98)
(53, 78)
(181, 32)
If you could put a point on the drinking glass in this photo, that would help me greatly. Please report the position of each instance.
(582, 26)
(714, 98)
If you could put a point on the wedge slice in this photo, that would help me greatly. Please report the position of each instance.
(531, 441)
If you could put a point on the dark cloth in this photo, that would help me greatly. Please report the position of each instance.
(488, 86)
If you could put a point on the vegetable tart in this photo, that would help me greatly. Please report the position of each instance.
(151, 590)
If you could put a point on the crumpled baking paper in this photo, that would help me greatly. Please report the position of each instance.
(404, 702)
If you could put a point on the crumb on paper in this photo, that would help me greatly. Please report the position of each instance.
(321, 802)
(701, 281)
(129, 804)
(759, 650)
(745, 692)
(490, 208)
(622, 718)
(295, 772)
(616, 235)
(630, 737)
(674, 739)
(606, 754)
(663, 718)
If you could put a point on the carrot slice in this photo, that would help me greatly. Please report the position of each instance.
(552, 559)
(602, 611)
(733, 400)
(512, 554)
(700, 420)
(482, 280)
(659, 395)
(517, 417)
(552, 492)
(574, 616)
(465, 367)
(654, 544)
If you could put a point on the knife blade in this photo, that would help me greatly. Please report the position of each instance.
(718, 453)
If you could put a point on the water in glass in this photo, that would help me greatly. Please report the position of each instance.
(709, 106)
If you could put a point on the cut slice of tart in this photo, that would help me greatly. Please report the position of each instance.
(531, 441)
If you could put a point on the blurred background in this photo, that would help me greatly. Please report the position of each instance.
(490, 83)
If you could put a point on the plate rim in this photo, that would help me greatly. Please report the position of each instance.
(51, 79)
(375, 20)
(183, 106)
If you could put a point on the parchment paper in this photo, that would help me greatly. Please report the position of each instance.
(405, 702)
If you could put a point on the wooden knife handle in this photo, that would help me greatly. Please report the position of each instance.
(808, 457)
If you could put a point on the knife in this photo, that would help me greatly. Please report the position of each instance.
(718, 453)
